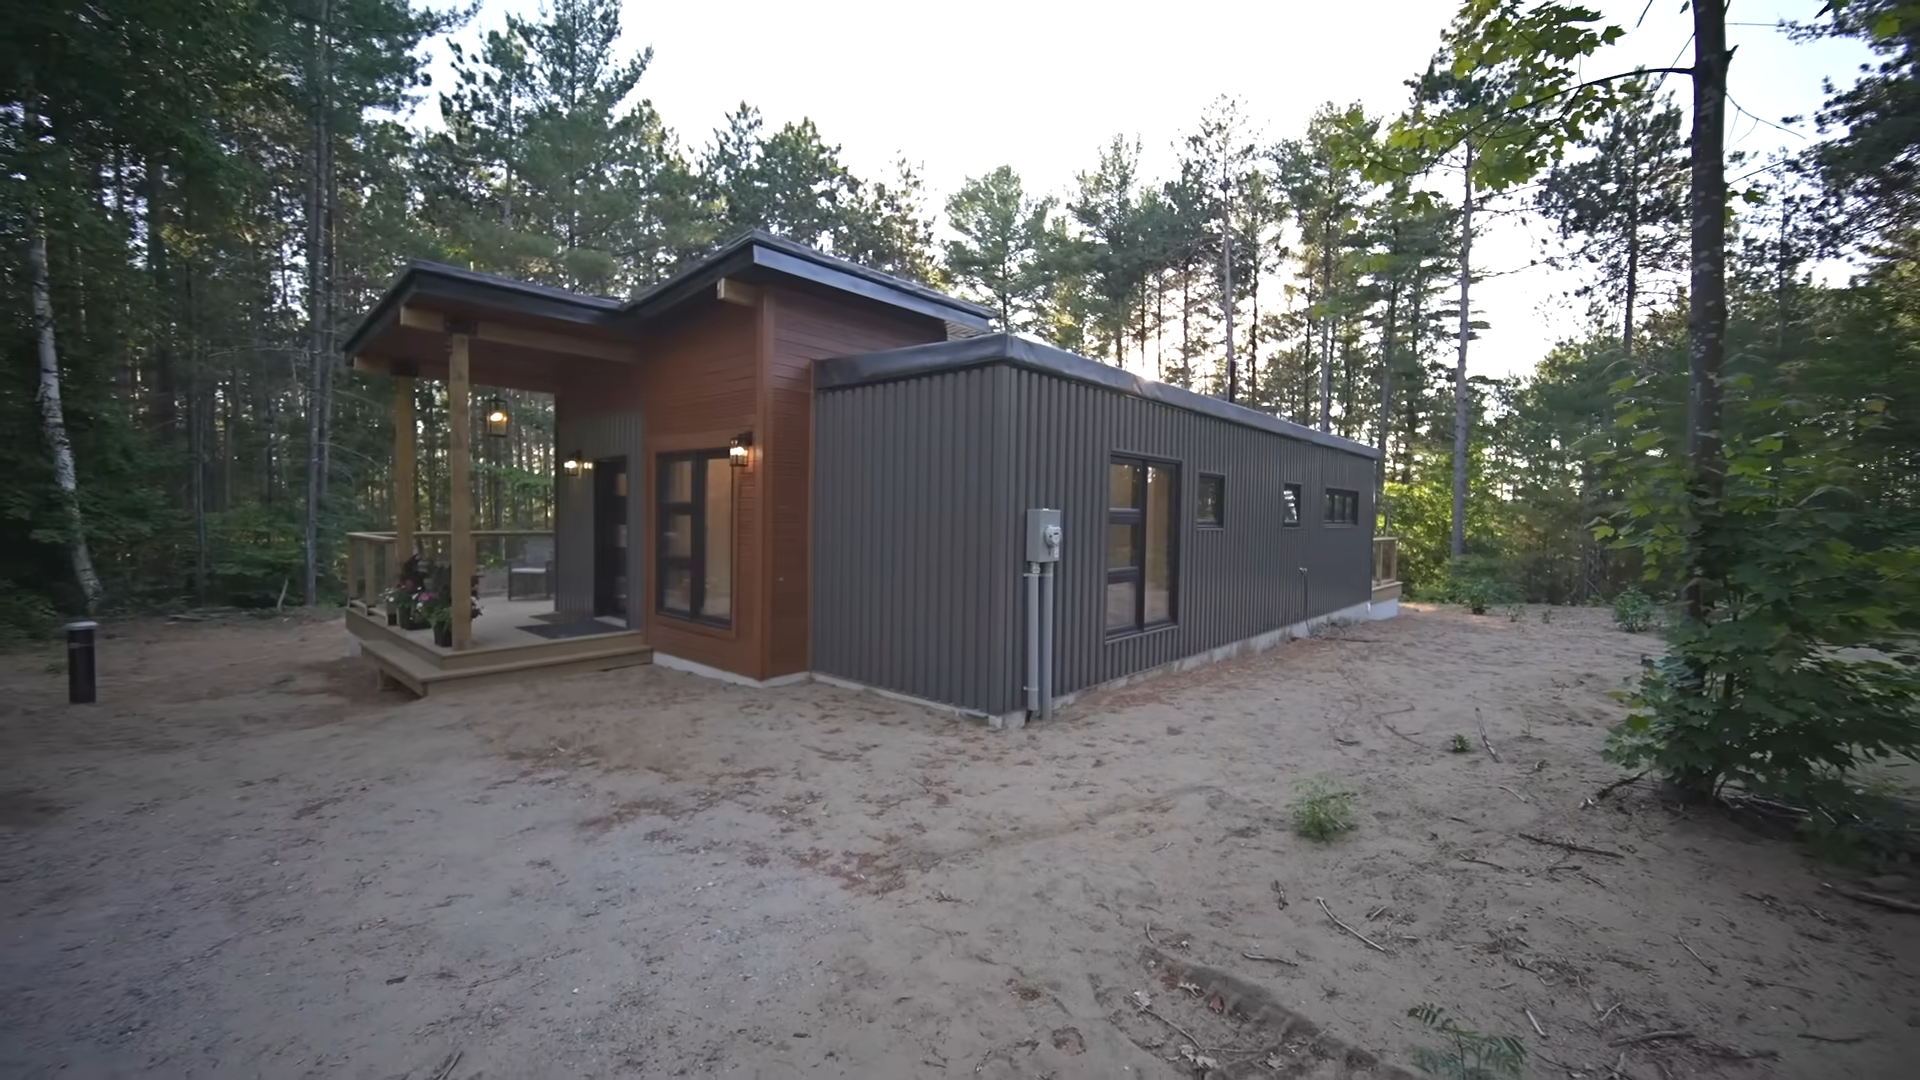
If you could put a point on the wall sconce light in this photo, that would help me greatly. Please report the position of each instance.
(496, 418)
(740, 450)
(573, 464)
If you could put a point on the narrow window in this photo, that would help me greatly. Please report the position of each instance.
(1211, 511)
(1290, 504)
(1142, 526)
(694, 555)
(1343, 507)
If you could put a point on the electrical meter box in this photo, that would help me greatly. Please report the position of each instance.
(1043, 536)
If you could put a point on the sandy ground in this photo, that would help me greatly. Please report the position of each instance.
(247, 862)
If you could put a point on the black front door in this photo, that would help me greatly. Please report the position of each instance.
(610, 537)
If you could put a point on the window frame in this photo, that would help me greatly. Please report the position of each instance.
(1299, 496)
(1219, 519)
(1331, 498)
(1135, 516)
(695, 509)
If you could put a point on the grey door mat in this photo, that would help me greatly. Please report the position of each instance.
(582, 628)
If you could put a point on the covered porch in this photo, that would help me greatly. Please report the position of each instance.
(544, 601)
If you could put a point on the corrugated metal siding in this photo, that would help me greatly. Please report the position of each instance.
(903, 515)
(921, 490)
(600, 436)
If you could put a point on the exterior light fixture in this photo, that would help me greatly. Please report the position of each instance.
(496, 418)
(740, 450)
(572, 464)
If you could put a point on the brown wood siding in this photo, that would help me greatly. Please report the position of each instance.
(805, 328)
(699, 386)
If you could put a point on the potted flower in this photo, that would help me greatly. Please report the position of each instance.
(396, 600)
(437, 610)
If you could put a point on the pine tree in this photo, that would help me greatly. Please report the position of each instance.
(996, 259)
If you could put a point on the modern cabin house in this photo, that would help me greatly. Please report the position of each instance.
(781, 465)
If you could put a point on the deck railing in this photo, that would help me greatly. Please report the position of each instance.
(1386, 559)
(374, 561)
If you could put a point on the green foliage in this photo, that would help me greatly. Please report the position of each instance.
(1459, 744)
(1477, 581)
(1322, 810)
(1804, 666)
(24, 615)
(1633, 611)
(1469, 1054)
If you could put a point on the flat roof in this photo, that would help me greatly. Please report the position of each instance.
(751, 256)
(918, 360)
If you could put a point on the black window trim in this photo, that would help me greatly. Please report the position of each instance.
(696, 562)
(1328, 498)
(1299, 496)
(1136, 572)
(1219, 521)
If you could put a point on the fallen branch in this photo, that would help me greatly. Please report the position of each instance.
(1616, 786)
(1567, 845)
(1269, 959)
(1696, 956)
(1842, 1039)
(1336, 921)
(1184, 1033)
(1537, 1029)
(1484, 741)
(1514, 793)
(1652, 1036)
(1888, 902)
(1482, 862)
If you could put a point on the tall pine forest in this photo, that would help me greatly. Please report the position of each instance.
(199, 197)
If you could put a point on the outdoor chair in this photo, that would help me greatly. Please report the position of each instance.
(531, 574)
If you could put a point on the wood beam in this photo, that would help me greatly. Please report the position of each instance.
(440, 322)
(730, 291)
(460, 499)
(406, 510)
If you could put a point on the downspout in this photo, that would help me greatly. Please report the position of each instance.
(1046, 640)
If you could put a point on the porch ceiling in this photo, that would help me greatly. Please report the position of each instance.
(516, 350)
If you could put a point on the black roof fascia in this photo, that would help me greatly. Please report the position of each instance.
(918, 360)
(472, 287)
(759, 250)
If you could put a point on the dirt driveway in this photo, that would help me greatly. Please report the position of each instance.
(246, 862)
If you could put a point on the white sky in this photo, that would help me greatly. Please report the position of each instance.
(1043, 84)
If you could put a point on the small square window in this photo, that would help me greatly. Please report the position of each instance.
(1343, 507)
(1290, 504)
(1212, 511)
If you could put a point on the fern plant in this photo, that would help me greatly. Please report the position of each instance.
(1469, 1054)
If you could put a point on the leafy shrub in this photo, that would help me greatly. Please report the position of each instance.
(1477, 581)
(1633, 611)
(1469, 1054)
(1323, 811)
(24, 616)
(1460, 744)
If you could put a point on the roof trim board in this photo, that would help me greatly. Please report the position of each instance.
(919, 360)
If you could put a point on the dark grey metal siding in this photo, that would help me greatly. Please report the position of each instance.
(920, 493)
(602, 436)
(905, 515)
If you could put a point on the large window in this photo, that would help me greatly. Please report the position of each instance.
(694, 557)
(1141, 530)
(1343, 507)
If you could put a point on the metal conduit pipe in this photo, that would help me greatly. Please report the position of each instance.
(1032, 687)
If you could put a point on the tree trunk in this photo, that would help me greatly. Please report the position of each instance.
(1707, 300)
(1226, 275)
(317, 361)
(53, 419)
(1326, 330)
(1388, 344)
(1459, 544)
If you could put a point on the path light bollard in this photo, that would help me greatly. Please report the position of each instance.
(80, 662)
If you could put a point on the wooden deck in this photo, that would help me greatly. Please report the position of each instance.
(503, 649)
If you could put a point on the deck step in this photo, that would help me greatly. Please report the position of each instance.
(424, 679)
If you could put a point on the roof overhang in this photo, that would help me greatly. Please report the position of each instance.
(435, 299)
(918, 360)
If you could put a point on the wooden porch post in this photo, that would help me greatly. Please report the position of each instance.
(460, 500)
(405, 508)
